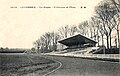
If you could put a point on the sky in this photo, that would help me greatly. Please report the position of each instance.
(20, 27)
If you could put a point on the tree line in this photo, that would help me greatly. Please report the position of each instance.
(100, 28)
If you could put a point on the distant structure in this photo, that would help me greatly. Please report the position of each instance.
(78, 41)
(85, 45)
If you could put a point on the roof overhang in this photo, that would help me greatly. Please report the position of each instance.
(77, 40)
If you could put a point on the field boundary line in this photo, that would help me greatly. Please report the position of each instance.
(54, 69)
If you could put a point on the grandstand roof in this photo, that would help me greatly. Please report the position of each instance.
(77, 40)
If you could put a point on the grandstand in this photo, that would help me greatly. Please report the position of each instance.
(79, 44)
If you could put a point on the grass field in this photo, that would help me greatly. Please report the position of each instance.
(20, 65)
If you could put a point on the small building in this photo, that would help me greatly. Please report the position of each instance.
(78, 41)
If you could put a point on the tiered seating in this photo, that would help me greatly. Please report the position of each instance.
(83, 51)
(87, 50)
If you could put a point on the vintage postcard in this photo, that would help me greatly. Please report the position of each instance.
(59, 38)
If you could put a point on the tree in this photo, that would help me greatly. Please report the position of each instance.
(101, 30)
(97, 29)
(47, 42)
(54, 39)
(106, 12)
(33, 49)
(82, 28)
(37, 44)
(72, 30)
(1, 49)
(94, 28)
(43, 42)
(116, 3)
(64, 31)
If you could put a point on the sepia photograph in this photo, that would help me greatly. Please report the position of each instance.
(59, 38)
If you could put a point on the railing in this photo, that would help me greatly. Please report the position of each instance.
(111, 56)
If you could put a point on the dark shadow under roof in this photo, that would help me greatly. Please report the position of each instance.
(77, 40)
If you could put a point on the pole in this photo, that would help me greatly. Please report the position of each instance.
(119, 45)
